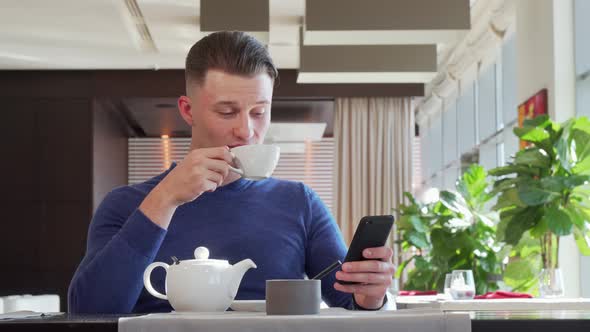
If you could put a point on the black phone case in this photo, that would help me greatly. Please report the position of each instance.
(372, 231)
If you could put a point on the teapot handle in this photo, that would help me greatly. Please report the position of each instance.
(148, 284)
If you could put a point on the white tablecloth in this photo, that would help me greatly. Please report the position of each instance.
(333, 319)
(413, 302)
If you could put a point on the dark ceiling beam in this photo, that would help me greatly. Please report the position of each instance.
(239, 15)
(288, 87)
(168, 83)
(385, 22)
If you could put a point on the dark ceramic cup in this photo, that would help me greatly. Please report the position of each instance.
(293, 297)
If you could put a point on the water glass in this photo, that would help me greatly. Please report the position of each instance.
(551, 283)
(447, 289)
(462, 285)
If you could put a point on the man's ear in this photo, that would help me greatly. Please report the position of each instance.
(185, 109)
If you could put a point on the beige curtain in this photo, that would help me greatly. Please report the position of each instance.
(373, 157)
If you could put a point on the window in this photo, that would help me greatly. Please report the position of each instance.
(582, 54)
(149, 157)
(314, 167)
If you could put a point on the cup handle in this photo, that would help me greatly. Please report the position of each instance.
(148, 284)
(236, 170)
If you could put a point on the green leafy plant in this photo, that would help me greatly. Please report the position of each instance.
(544, 192)
(453, 233)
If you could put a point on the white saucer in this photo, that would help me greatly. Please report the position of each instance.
(249, 305)
(197, 312)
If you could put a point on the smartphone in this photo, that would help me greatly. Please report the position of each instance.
(372, 231)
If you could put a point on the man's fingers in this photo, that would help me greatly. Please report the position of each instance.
(382, 253)
(369, 266)
(221, 153)
(219, 166)
(209, 186)
(215, 177)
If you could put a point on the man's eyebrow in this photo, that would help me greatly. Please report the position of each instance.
(234, 103)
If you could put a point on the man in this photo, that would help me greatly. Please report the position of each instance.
(282, 226)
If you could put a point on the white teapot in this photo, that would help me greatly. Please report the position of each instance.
(199, 284)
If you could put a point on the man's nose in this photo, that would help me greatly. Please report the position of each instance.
(243, 128)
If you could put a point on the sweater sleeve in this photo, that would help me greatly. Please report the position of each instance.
(325, 245)
(122, 242)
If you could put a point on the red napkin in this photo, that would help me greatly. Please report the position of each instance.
(503, 295)
(416, 293)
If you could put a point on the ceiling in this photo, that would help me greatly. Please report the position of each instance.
(109, 34)
(100, 34)
(144, 34)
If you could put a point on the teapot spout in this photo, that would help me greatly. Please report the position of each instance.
(236, 274)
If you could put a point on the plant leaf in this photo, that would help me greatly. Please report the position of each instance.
(418, 240)
(441, 244)
(580, 133)
(509, 198)
(520, 273)
(472, 185)
(582, 167)
(418, 224)
(541, 120)
(556, 183)
(532, 157)
(582, 237)
(563, 152)
(536, 135)
(402, 267)
(540, 228)
(513, 168)
(504, 184)
(558, 220)
(531, 193)
(410, 198)
(455, 203)
(576, 180)
(520, 223)
(531, 133)
(501, 229)
(403, 222)
(575, 214)
(527, 246)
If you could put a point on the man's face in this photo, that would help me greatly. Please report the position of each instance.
(228, 109)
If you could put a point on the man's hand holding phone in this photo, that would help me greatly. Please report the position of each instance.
(367, 271)
(373, 277)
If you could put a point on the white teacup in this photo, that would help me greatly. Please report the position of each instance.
(257, 161)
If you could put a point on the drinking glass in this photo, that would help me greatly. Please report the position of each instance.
(447, 289)
(551, 283)
(462, 285)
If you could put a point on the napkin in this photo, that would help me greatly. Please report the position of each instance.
(416, 293)
(503, 295)
(20, 314)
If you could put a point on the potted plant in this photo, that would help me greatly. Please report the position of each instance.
(544, 192)
(451, 234)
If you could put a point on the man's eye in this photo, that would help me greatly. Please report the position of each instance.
(226, 112)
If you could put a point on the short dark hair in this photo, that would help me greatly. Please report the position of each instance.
(233, 52)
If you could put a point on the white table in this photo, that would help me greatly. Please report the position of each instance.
(441, 303)
(333, 319)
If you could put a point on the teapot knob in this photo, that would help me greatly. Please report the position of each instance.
(202, 253)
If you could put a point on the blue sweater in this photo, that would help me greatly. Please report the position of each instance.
(282, 226)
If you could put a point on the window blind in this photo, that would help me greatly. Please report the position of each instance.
(149, 157)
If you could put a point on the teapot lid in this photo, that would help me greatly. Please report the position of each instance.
(202, 258)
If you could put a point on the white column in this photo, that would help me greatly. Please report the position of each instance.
(545, 59)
